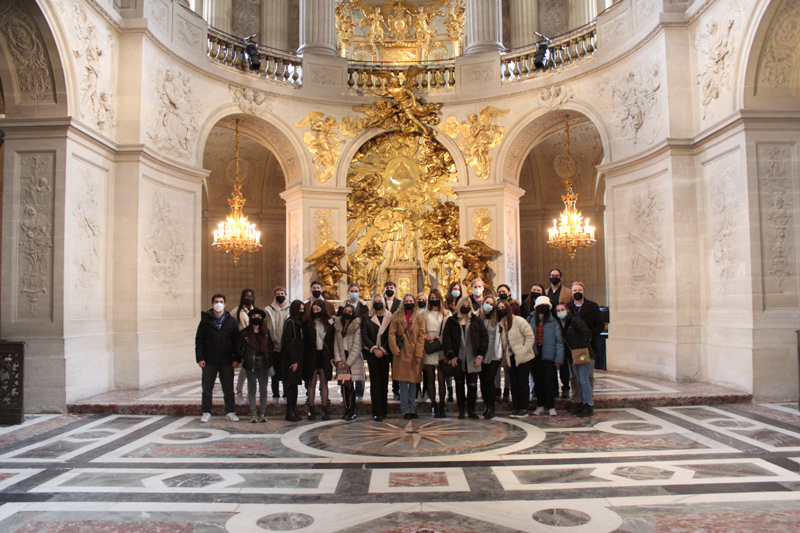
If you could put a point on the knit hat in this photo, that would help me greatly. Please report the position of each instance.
(543, 300)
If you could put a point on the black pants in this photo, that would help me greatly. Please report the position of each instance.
(488, 389)
(471, 381)
(544, 383)
(378, 383)
(277, 364)
(291, 396)
(225, 372)
(520, 386)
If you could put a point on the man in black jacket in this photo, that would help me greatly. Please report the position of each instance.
(215, 351)
(589, 312)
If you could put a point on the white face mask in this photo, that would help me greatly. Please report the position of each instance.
(561, 314)
(219, 307)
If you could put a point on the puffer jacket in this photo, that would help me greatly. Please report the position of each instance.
(552, 341)
(519, 338)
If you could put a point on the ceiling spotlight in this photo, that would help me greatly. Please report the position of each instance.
(542, 59)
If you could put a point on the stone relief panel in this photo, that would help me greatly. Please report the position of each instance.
(511, 249)
(478, 73)
(645, 9)
(553, 17)
(158, 12)
(551, 98)
(27, 51)
(165, 248)
(634, 100)
(188, 33)
(716, 52)
(779, 56)
(88, 251)
(94, 50)
(34, 262)
(246, 17)
(642, 241)
(296, 252)
(174, 126)
(616, 29)
(251, 101)
(724, 212)
(778, 226)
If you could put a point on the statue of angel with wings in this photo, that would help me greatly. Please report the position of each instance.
(326, 261)
(478, 136)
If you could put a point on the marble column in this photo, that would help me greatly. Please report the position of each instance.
(220, 14)
(524, 15)
(317, 27)
(275, 24)
(484, 26)
(581, 12)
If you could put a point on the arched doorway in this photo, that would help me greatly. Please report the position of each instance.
(541, 178)
(262, 181)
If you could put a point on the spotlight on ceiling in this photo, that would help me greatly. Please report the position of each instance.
(543, 58)
(251, 52)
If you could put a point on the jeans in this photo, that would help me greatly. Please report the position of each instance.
(520, 386)
(575, 394)
(225, 372)
(408, 397)
(378, 384)
(582, 373)
(471, 380)
(258, 374)
(544, 383)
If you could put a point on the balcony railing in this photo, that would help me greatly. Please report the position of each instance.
(437, 75)
(276, 65)
(565, 50)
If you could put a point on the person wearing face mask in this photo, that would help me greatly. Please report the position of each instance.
(407, 344)
(453, 296)
(577, 336)
(255, 349)
(391, 301)
(375, 337)
(491, 361)
(316, 294)
(514, 345)
(240, 313)
(504, 292)
(435, 315)
(465, 343)
(559, 295)
(422, 303)
(349, 359)
(549, 350)
(215, 351)
(589, 312)
(537, 289)
(317, 366)
(293, 351)
(277, 313)
(354, 299)
(476, 298)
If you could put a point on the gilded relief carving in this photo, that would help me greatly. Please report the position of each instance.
(482, 224)
(475, 257)
(26, 49)
(322, 226)
(323, 142)
(478, 136)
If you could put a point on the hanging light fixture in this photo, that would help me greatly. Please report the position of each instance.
(572, 232)
(236, 235)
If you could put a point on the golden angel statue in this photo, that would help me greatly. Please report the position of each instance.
(475, 257)
(409, 114)
(326, 261)
(478, 136)
(322, 142)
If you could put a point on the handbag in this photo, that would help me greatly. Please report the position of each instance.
(581, 356)
(400, 339)
(448, 370)
(435, 345)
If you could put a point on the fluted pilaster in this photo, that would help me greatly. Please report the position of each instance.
(275, 24)
(484, 26)
(524, 15)
(581, 12)
(317, 27)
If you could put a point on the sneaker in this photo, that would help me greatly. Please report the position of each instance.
(239, 398)
(253, 419)
(519, 413)
(565, 394)
(262, 418)
(553, 412)
(588, 410)
(538, 411)
(231, 417)
(206, 418)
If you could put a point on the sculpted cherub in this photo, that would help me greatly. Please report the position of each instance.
(475, 257)
(478, 136)
(409, 111)
(326, 260)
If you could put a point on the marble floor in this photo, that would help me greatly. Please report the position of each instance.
(686, 468)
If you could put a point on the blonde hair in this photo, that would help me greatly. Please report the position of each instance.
(421, 294)
(578, 283)
(464, 300)
(400, 317)
(372, 302)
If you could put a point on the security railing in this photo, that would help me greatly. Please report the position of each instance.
(366, 75)
(276, 65)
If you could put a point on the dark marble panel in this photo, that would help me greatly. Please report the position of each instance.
(563, 475)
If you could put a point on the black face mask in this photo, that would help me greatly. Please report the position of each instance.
(316, 294)
(578, 296)
(501, 313)
(555, 280)
(543, 310)
(280, 299)
(435, 303)
(421, 305)
(408, 307)
(389, 293)
(503, 296)
(248, 301)
(347, 316)
(465, 309)
(377, 306)
(256, 320)
(317, 314)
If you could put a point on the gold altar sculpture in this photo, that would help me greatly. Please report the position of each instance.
(475, 257)
(478, 136)
(323, 143)
(326, 262)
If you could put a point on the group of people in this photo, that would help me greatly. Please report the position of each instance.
(425, 340)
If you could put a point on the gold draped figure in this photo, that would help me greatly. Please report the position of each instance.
(478, 136)
(326, 262)
(475, 257)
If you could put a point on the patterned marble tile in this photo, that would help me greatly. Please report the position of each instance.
(418, 480)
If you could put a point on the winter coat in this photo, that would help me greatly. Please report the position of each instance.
(275, 321)
(347, 347)
(407, 362)
(518, 340)
(370, 338)
(293, 351)
(360, 306)
(434, 325)
(451, 342)
(552, 342)
(216, 346)
(310, 359)
(576, 335)
(247, 352)
(591, 316)
(492, 332)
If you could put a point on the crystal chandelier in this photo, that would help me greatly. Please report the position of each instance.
(571, 233)
(236, 235)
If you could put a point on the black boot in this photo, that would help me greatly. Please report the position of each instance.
(291, 403)
(440, 411)
(311, 414)
(587, 410)
(489, 413)
(351, 412)
(325, 415)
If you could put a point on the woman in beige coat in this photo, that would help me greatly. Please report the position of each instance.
(348, 356)
(409, 326)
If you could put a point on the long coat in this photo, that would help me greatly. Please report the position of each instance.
(407, 362)
(293, 350)
(310, 361)
(347, 347)
(479, 340)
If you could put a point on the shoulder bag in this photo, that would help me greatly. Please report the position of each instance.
(400, 339)
(435, 345)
